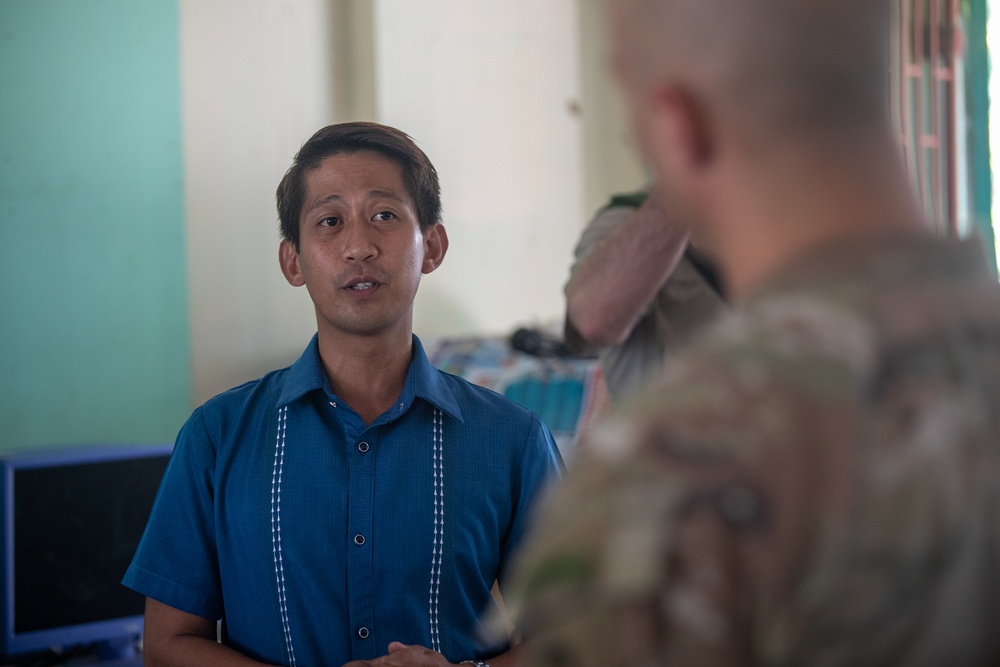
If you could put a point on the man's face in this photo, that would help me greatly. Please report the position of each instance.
(361, 251)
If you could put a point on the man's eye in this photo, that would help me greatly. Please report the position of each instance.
(385, 215)
(329, 222)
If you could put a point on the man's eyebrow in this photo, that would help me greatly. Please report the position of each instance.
(324, 201)
(371, 194)
(383, 194)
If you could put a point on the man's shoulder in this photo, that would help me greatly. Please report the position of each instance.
(248, 394)
(783, 333)
(809, 345)
(753, 372)
(478, 402)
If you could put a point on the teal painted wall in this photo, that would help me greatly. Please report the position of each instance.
(977, 102)
(93, 297)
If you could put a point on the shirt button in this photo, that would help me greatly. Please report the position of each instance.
(363, 632)
(362, 447)
(359, 539)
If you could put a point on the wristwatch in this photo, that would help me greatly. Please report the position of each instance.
(474, 663)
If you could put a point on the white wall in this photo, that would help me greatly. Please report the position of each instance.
(256, 82)
(610, 161)
(492, 91)
(488, 90)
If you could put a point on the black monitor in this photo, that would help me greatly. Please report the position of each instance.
(72, 519)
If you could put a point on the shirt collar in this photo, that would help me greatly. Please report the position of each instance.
(422, 381)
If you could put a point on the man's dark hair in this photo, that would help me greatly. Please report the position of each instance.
(419, 175)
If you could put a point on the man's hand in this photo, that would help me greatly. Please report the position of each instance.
(403, 655)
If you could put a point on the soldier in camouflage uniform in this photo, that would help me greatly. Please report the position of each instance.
(816, 480)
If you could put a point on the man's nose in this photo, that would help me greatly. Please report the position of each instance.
(359, 243)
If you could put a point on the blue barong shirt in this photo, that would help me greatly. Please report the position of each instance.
(319, 540)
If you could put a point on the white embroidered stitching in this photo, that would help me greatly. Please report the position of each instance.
(437, 555)
(279, 568)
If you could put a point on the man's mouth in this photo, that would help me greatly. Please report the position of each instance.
(362, 286)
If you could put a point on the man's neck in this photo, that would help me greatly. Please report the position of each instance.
(816, 200)
(367, 372)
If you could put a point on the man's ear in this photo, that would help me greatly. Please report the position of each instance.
(288, 258)
(678, 131)
(435, 247)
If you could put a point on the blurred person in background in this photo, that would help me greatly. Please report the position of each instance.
(637, 290)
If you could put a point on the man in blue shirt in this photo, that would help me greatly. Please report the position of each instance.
(357, 506)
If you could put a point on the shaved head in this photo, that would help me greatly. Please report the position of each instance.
(766, 122)
(763, 67)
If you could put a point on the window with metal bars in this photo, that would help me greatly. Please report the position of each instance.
(927, 74)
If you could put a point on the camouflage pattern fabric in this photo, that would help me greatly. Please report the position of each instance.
(815, 482)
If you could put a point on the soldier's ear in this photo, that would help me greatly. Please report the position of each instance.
(681, 142)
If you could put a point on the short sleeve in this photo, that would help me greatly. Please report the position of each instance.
(540, 467)
(176, 562)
